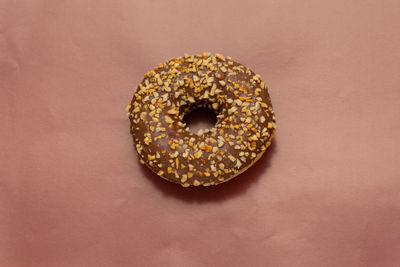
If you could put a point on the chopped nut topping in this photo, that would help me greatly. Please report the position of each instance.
(232, 158)
(198, 154)
(184, 178)
(171, 90)
(168, 119)
(219, 56)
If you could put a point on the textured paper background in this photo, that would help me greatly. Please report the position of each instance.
(73, 193)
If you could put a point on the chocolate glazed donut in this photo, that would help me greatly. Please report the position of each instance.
(245, 122)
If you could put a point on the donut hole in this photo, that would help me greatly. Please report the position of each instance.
(200, 118)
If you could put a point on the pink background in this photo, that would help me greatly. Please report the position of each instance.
(72, 193)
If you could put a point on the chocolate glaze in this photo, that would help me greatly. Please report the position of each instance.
(245, 122)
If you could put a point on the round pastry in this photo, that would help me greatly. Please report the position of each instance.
(243, 131)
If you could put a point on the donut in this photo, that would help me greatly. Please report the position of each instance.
(245, 122)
